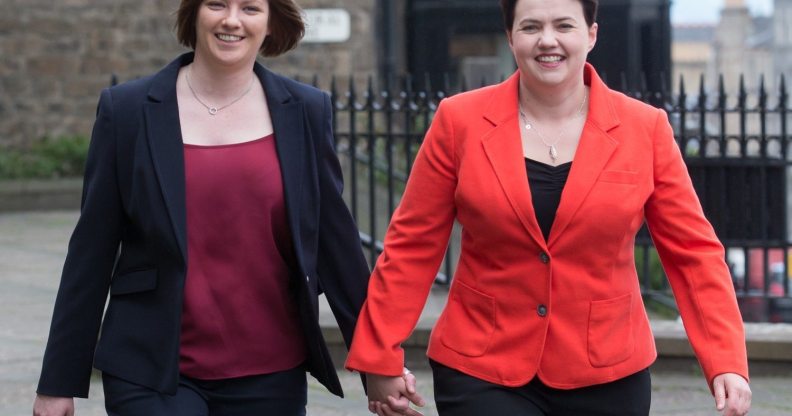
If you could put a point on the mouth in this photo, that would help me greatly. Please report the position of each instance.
(549, 59)
(228, 38)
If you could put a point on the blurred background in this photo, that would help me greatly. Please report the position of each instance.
(719, 68)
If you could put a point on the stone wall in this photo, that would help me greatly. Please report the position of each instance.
(354, 57)
(56, 56)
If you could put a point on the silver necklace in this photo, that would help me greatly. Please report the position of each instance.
(551, 147)
(212, 109)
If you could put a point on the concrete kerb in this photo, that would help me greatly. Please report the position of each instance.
(40, 194)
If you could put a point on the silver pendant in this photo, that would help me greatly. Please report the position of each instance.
(213, 110)
(528, 126)
(553, 153)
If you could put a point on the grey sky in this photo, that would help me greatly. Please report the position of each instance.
(707, 11)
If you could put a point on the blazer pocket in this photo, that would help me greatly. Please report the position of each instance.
(469, 320)
(619, 176)
(610, 332)
(134, 282)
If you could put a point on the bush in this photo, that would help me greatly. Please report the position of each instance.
(46, 158)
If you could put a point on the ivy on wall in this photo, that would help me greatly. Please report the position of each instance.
(46, 158)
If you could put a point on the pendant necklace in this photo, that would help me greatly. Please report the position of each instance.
(212, 109)
(551, 146)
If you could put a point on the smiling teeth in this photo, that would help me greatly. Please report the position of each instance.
(229, 38)
(549, 58)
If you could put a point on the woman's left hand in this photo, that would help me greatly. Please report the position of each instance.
(732, 394)
(391, 396)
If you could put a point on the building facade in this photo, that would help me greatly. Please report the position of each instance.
(57, 56)
(738, 45)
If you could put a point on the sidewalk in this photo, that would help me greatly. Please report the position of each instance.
(32, 250)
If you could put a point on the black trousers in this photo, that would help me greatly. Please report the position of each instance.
(458, 394)
(283, 393)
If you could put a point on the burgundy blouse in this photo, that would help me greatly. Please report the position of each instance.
(239, 315)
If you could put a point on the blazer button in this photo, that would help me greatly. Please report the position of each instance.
(544, 258)
(307, 279)
(541, 310)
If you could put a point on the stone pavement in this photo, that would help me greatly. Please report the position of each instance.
(32, 249)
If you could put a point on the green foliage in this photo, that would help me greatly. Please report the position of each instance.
(658, 299)
(45, 158)
(657, 279)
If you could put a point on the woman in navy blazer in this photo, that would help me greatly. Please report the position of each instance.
(134, 241)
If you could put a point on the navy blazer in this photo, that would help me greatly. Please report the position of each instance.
(131, 238)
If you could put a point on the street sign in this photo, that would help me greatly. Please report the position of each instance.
(327, 25)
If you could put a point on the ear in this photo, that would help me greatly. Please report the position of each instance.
(592, 35)
(509, 37)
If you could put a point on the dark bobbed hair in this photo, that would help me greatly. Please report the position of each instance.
(508, 6)
(285, 24)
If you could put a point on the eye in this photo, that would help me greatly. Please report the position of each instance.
(215, 5)
(566, 27)
(530, 28)
(251, 9)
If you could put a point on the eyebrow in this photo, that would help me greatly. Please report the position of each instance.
(558, 20)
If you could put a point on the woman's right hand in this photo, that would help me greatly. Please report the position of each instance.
(390, 396)
(53, 406)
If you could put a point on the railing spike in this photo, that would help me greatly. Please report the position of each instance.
(721, 93)
(624, 85)
(682, 84)
(370, 91)
(762, 92)
(682, 103)
(702, 101)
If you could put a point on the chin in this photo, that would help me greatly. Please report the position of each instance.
(230, 59)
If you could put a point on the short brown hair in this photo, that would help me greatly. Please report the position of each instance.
(508, 6)
(285, 24)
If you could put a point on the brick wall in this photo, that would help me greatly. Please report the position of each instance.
(56, 56)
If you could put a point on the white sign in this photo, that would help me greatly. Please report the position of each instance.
(326, 25)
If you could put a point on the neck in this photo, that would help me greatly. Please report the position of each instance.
(213, 80)
(555, 103)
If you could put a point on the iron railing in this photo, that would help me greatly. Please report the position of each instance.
(735, 146)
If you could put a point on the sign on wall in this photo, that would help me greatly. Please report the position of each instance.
(327, 25)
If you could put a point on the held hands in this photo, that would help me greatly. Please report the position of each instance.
(732, 394)
(391, 396)
(53, 406)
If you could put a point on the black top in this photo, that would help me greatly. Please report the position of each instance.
(546, 184)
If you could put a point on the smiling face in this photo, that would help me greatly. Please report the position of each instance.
(550, 41)
(231, 32)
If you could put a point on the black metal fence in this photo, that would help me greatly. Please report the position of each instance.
(736, 148)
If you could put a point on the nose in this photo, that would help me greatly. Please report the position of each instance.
(547, 38)
(231, 19)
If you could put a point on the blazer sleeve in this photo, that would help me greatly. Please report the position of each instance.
(342, 268)
(85, 281)
(415, 244)
(693, 259)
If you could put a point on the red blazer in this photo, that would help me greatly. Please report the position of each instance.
(568, 310)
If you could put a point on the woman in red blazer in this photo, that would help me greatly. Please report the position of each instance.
(551, 174)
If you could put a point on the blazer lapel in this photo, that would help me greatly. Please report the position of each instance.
(163, 132)
(594, 150)
(288, 122)
(503, 148)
